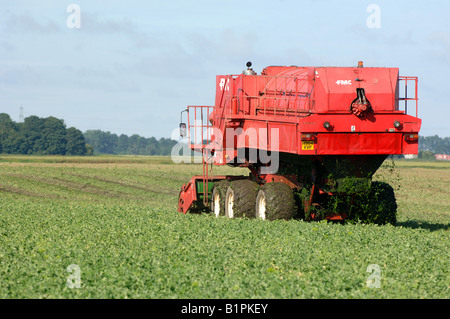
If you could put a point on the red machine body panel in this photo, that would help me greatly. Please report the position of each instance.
(336, 87)
(299, 100)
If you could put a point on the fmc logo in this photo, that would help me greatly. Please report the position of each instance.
(344, 82)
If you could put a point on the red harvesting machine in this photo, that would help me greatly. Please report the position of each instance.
(311, 137)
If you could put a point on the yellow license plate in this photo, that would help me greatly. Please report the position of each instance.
(307, 145)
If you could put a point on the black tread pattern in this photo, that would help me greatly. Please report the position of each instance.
(245, 192)
(280, 202)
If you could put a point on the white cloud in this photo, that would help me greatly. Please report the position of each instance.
(17, 23)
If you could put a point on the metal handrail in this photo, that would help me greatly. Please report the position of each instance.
(406, 79)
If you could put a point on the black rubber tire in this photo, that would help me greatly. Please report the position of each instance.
(243, 194)
(279, 202)
(219, 189)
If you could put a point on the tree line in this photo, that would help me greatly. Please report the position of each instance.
(110, 143)
(431, 145)
(434, 144)
(50, 136)
(41, 136)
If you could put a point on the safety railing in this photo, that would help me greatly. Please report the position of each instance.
(199, 126)
(199, 133)
(409, 85)
(284, 95)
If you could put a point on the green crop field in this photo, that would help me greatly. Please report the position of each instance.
(107, 227)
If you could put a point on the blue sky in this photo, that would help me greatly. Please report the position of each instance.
(133, 65)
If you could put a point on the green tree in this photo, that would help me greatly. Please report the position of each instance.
(16, 144)
(434, 144)
(31, 130)
(426, 155)
(122, 144)
(89, 150)
(107, 143)
(54, 134)
(103, 142)
(7, 129)
(40, 136)
(76, 145)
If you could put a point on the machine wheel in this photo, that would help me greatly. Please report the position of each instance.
(218, 197)
(275, 201)
(240, 199)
